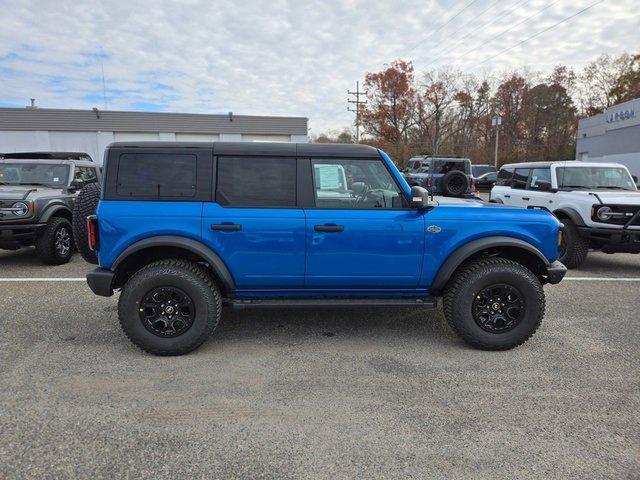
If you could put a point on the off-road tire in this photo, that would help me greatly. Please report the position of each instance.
(454, 184)
(577, 247)
(470, 279)
(46, 242)
(191, 278)
(86, 205)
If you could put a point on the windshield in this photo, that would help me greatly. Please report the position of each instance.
(612, 178)
(49, 174)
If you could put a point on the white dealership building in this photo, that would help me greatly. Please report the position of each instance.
(612, 136)
(90, 131)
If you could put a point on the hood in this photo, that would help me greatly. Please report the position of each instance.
(27, 192)
(613, 197)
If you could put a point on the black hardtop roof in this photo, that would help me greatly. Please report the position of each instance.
(263, 148)
(47, 156)
(536, 164)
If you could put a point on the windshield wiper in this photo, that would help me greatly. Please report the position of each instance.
(613, 187)
(33, 183)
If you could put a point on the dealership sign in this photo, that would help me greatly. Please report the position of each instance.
(627, 114)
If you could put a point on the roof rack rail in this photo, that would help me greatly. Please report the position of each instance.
(47, 156)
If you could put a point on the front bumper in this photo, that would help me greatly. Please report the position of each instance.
(14, 235)
(613, 240)
(100, 281)
(556, 272)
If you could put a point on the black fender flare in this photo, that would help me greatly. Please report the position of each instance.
(51, 210)
(468, 249)
(194, 246)
(573, 215)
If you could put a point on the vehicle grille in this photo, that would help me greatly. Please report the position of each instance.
(628, 217)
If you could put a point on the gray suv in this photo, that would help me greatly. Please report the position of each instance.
(446, 176)
(38, 191)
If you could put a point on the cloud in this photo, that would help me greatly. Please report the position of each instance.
(277, 57)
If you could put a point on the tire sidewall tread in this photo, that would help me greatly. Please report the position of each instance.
(194, 280)
(473, 276)
(45, 243)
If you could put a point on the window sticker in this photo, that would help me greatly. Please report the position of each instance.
(329, 177)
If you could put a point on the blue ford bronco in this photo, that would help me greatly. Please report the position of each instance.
(183, 229)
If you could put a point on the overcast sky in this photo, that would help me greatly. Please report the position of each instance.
(279, 57)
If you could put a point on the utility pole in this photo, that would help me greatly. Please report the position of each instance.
(357, 102)
(496, 122)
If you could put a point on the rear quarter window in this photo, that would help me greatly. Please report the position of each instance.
(505, 175)
(153, 175)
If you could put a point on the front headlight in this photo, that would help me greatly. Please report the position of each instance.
(20, 209)
(604, 213)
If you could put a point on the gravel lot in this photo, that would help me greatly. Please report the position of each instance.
(318, 394)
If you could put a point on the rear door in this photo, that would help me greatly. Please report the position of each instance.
(360, 235)
(538, 187)
(255, 224)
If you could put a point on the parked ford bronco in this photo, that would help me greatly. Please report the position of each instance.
(37, 194)
(598, 203)
(183, 228)
(447, 176)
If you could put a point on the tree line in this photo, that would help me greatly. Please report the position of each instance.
(449, 112)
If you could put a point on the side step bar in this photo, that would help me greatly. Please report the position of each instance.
(242, 304)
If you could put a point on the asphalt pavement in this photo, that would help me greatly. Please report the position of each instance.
(387, 393)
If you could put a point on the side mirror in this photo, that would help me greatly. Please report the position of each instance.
(358, 188)
(419, 198)
(76, 184)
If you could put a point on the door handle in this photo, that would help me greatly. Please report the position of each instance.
(507, 196)
(329, 228)
(226, 227)
(526, 199)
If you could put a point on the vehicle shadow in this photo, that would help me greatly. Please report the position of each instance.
(23, 257)
(609, 265)
(294, 326)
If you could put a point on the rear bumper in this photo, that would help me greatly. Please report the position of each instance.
(612, 240)
(556, 272)
(100, 281)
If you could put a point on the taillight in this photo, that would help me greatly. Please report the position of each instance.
(92, 232)
(430, 182)
(472, 182)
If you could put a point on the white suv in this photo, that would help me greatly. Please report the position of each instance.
(598, 203)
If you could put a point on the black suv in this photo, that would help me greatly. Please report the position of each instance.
(37, 195)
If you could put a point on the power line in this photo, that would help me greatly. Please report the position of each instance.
(566, 19)
(510, 28)
(478, 27)
(443, 25)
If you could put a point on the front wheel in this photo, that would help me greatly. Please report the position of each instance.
(54, 245)
(494, 303)
(169, 307)
(573, 248)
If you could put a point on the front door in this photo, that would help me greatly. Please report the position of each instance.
(254, 224)
(360, 235)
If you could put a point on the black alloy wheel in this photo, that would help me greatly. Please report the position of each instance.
(167, 312)
(498, 308)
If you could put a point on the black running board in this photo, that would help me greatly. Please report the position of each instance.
(241, 304)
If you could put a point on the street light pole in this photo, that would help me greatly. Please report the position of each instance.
(496, 122)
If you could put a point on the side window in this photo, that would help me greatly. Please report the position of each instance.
(256, 182)
(354, 184)
(86, 174)
(504, 177)
(540, 176)
(520, 177)
(154, 175)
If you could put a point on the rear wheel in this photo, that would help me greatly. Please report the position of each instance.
(494, 303)
(454, 184)
(54, 245)
(169, 307)
(573, 249)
